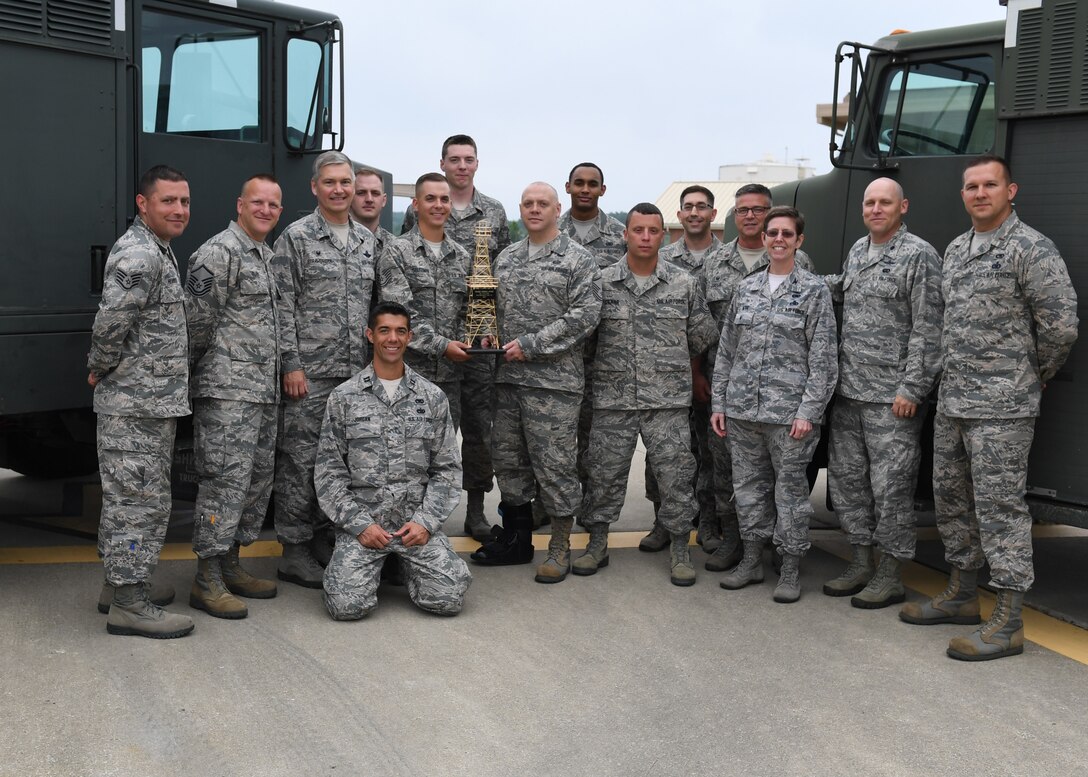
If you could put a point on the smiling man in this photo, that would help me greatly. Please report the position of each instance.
(232, 310)
(1010, 321)
(139, 368)
(324, 266)
(890, 292)
(388, 474)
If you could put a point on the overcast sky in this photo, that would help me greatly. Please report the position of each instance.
(651, 91)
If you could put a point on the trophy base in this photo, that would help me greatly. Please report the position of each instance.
(478, 350)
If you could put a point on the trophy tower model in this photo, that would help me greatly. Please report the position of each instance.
(480, 321)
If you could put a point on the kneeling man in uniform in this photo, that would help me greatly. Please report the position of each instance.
(388, 475)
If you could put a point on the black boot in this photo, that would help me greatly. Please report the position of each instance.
(515, 544)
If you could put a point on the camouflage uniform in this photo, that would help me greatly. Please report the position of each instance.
(889, 346)
(233, 343)
(389, 461)
(723, 270)
(435, 293)
(775, 363)
(325, 295)
(605, 241)
(549, 303)
(477, 374)
(642, 373)
(1010, 320)
(139, 351)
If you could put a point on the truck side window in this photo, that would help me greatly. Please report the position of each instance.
(307, 93)
(201, 78)
(938, 108)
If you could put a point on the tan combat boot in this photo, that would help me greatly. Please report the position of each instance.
(958, 603)
(857, 574)
(557, 564)
(159, 594)
(133, 614)
(596, 555)
(1001, 636)
(209, 594)
(682, 571)
(239, 582)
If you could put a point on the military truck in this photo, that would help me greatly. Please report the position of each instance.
(918, 105)
(92, 92)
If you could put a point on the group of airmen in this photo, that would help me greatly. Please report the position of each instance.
(334, 371)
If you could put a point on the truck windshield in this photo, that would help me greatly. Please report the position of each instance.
(201, 78)
(935, 108)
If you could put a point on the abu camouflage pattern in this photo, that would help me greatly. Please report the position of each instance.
(325, 293)
(1010, 320)
(647, 339)
(723, 270)
(872, 471)
(770, 483)
(979, 477)
(139, 342)
(612, 441)
(533, 444)
(233, 321)
(297, 511)
(549, 303)
(889, 344)
(777, 354)
(604, 239)
(134, 458)
(234, 443)
(435, 293)
(389, 460)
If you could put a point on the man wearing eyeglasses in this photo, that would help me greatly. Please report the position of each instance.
(233, 317)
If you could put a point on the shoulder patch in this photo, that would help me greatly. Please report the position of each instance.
(199, 282)
(127, 280)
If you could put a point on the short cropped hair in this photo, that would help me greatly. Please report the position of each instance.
(785, 212)
(600, 172)
(754, 188)
(697, 189)
(159, 173)
(985, 159)
(330, 158)
(430, 178)
(458, 140)
(645, 209)
(268, 177)
(388, 309)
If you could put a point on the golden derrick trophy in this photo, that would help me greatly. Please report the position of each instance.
(480, 321)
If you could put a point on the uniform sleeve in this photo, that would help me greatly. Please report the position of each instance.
(927, 315)
(502, 233)
(582, 315)
(332, 478)
(393, 281)
(286, 267)
(409, 220)
(805, 261)
(823, 361)
(723, 364)
(443, 490)
(701, 327)
(211, 275)
(1053, 303)
(129, 278)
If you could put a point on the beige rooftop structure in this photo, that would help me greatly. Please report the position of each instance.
(767, 171)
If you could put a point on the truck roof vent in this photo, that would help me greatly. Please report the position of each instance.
(21, 16)
(87, 21)
(1048, 44)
